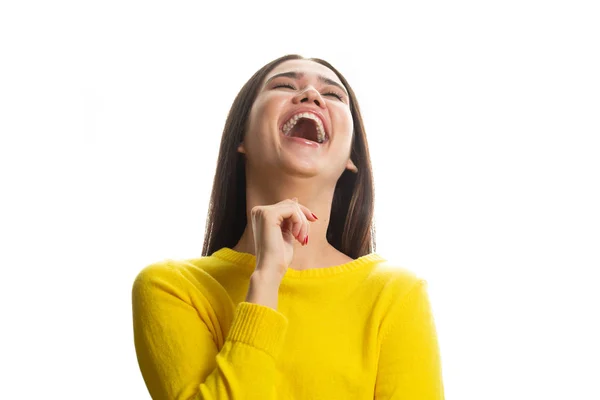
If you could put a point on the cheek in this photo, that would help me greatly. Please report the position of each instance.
(263, 114)
(259, 124)
(255, 120)
(344, 124)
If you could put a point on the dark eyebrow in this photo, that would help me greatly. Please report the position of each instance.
(298, 75)
(292, 75)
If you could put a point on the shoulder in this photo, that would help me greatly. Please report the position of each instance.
(394, 286)
(205, 279)
(157, 271)
(396, 280)
(192, 269)
(166, 269)
(179, 290)
(174, 274)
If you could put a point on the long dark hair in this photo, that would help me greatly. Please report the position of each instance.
(351, 227)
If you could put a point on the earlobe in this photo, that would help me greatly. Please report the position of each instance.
(350, 165)
(241, 148)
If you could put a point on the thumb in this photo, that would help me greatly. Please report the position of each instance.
(287, 230)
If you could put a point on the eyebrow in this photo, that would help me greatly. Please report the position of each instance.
(299, 75)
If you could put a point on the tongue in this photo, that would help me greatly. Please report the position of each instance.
(305, 128)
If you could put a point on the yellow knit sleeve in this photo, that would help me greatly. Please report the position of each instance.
(177, 351)
(409, 365)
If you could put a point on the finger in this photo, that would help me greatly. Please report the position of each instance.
(304, 227)
(307, 213)
(297, 222)
(300, 224)
(306, 216)
(291, 212)
(286, 229)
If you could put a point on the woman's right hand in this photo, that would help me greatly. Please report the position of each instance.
(276, 228)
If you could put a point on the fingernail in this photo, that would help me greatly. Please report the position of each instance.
(313, 214)
(306, 240)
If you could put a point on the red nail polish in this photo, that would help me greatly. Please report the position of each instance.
(313, 214)
(306, 239)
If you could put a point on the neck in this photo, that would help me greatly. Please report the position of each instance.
(311, 195)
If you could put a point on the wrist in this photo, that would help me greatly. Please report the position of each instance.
(265, 278)
(269, 271)
(263, 289)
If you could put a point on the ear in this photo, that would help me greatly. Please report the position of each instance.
(350, 165)
(241, 148)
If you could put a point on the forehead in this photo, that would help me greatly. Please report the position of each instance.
(308, 67)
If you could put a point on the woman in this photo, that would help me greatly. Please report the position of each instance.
(265, 313)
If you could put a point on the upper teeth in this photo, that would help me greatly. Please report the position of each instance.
(292, 122)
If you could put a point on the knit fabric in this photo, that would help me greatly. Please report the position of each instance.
(360, 330)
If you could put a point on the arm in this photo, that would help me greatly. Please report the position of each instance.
(409, 363)
(176, 331)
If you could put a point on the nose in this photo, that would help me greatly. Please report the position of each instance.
(310, 95)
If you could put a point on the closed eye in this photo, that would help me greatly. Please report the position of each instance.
(333, 94)
(287, 85)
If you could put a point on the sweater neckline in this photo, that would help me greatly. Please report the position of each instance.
(248, 261)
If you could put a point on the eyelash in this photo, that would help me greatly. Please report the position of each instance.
(293, 88)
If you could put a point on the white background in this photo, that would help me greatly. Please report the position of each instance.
(483, 121)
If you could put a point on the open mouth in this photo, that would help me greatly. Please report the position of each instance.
(307, 126)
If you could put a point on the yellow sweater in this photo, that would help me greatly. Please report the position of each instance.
(360, 330)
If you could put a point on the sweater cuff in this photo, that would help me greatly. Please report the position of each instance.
(258, 326)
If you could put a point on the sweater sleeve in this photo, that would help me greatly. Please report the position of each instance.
(409, 365)
(175, 342)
